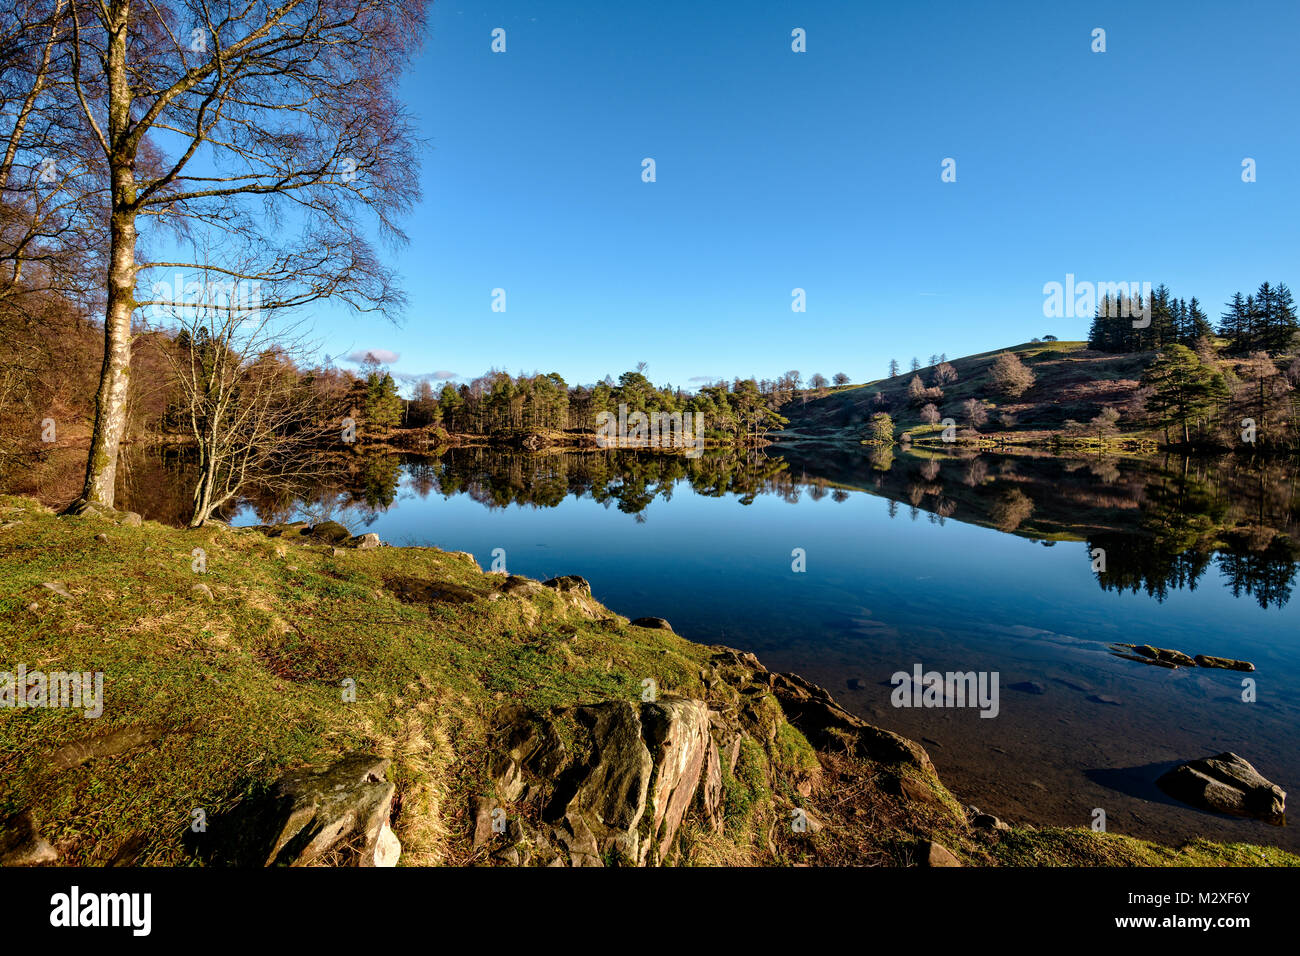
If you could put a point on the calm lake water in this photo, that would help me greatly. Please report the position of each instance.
(955, 564)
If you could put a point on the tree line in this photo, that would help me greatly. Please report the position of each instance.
(1263, 321)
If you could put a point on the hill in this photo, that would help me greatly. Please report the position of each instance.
(1072, 383)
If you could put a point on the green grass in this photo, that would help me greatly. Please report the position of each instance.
(1077, 847)
(251, 684)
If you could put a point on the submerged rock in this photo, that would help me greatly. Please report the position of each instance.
(1028, 687)
(1226, 784)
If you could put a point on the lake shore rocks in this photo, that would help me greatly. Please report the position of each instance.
(654, 623)
(1223, 663)
(338, 813)
(1166, 657)
(1228, 784)
(618, 790)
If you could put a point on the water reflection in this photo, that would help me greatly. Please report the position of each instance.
(1157, 525)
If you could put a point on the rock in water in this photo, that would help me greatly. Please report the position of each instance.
(1226, 784)
(1163, 654)
(1224, 663)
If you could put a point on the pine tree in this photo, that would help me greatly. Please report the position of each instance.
(1161, 332)
(1198, 323)
(1282, 332)
(1185, 388)
(1232, 324)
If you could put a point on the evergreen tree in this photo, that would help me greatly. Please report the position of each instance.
(1233, 322)
(1197, 325)
(1278, 333)
(380, 403)
(1185, 389)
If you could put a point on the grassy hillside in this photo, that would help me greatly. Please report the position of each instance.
(1072, 382)
(217, 682)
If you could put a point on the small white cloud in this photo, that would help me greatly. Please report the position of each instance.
(438, 376)
(382, 356)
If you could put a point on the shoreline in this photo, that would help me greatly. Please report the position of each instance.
(490, 640)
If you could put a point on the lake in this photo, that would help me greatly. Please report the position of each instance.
(979, 563)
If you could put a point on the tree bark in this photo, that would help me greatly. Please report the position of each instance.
(111, 398)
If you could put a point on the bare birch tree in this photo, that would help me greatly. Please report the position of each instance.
(242, 400)
(270, 128)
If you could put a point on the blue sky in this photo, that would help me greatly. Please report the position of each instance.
(821, 170)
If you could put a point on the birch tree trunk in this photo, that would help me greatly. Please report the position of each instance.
(111, 397)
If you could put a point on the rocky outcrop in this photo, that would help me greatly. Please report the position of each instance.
(567, 583)
(331, 532)
(827, 725)
(617, 792)
(575, 595)
(654, 623)
(520, 587)
(681, 747)
(1226, 784)
(339, 813)
(614, 782)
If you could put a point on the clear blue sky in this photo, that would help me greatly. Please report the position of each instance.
(821, 170)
